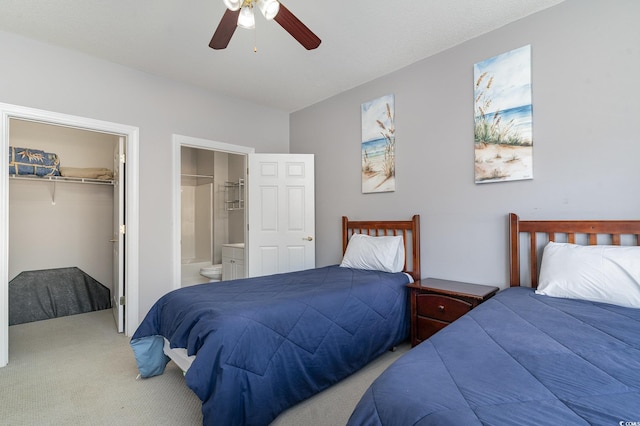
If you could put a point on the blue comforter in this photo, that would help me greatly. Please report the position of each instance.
(517, 359)
(263, 344)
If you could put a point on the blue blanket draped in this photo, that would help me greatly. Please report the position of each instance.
(517, 359)
(263, 344)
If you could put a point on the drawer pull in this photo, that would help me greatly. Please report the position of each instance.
(441, 308)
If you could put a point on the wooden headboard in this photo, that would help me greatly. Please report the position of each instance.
(585, 232)
(409, 229)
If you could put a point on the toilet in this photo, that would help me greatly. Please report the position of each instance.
(212, 272)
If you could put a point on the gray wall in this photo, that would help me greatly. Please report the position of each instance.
(586, 131)
(38, 75)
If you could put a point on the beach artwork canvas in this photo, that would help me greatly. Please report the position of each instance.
(378, 146)
(503, 117)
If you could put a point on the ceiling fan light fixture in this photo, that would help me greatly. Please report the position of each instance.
(269, 8)
(246, 18)
(232, 5)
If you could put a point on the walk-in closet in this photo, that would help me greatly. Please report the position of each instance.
(61, 220)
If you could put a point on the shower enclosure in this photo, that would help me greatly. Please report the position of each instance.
(197, 229)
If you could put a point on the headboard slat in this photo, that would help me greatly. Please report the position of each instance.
(533, 257)
(590, 229)
(409, 229)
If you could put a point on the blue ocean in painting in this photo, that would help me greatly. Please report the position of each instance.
(374, 147)
(522, 120)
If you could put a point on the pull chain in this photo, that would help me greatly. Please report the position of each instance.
(255, 40)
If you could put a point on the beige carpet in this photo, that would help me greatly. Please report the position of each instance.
(77, 370)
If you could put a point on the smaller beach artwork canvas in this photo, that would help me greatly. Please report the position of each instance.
(378, 146)
(503, 117)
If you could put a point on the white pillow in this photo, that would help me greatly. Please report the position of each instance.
(609, 274)
(385, 253)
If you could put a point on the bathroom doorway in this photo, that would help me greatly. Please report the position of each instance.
(210, 205)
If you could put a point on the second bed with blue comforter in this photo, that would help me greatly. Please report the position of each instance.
(517, 359)
(263, 344)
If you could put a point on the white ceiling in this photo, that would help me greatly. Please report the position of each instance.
(361, 40)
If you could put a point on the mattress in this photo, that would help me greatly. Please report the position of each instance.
(519, 358)
(264, 344)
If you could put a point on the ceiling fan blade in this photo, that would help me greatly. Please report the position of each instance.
(225, 30)
(297, 29)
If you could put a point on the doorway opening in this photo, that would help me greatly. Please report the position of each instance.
(12, 115)
(279, 213)
(62, 193)
(210, 210)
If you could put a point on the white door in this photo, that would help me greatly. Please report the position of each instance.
(281, 218)
(118, 234)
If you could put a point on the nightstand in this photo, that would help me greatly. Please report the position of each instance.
(436, 303)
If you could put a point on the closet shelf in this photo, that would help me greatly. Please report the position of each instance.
(65, 179)
(62, 179)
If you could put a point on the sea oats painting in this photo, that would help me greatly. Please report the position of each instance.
(503, 117)
(378, 145)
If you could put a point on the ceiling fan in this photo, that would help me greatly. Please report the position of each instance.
(239, 13)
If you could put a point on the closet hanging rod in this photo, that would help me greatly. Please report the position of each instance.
(62, 179)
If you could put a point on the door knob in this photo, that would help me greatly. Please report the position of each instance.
(308, 238)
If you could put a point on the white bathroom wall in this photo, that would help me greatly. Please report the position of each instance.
(187, 223)
(196, 203)
(236, 170)
(187, 205)
(204, 221)
(220, 216)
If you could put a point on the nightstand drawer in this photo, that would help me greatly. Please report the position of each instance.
(440, 307)
(426, 327)
(436, 303)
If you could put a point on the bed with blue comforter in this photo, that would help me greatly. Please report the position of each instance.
(263, 344)
(517, 359)
(564, 350)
